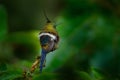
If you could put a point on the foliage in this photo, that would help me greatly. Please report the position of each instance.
(89, 39)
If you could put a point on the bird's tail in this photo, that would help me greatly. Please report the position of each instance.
(43, 56)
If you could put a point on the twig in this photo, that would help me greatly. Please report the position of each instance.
(35, 64)
(27, 75)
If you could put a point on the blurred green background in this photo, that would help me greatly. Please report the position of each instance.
(89, 47)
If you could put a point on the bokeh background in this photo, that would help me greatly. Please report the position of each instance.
(89, 47)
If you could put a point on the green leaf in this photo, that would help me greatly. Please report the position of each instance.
(84, 76)
(3, 67)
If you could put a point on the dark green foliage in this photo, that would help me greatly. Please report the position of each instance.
(89, 47)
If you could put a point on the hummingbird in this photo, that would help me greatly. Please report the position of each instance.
(49, 39)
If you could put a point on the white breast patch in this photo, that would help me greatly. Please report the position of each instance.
(51, 35)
